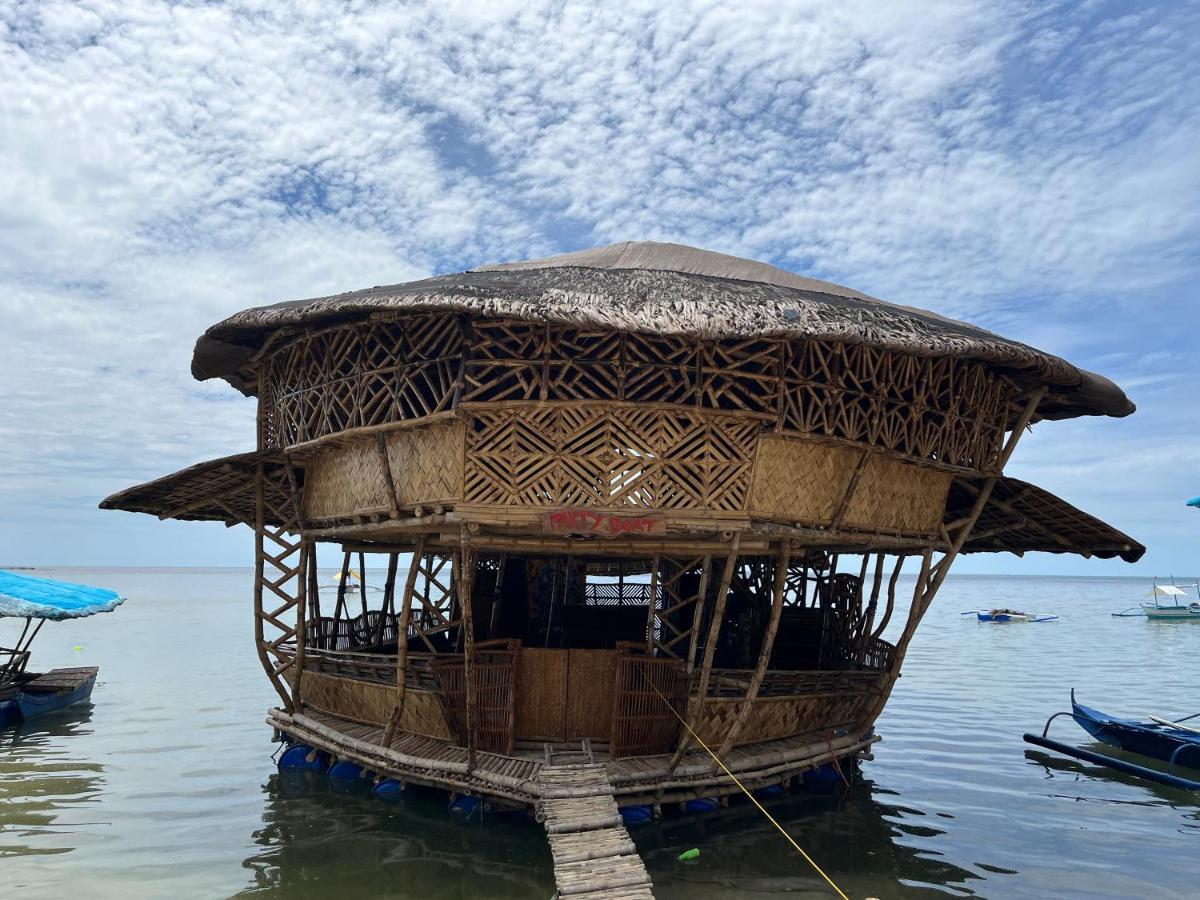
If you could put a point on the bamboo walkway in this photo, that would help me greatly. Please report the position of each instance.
(594, 856)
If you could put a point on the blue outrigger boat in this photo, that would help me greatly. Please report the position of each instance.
(1170, 741)
(25, 694)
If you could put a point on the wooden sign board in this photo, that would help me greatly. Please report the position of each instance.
(602, 524)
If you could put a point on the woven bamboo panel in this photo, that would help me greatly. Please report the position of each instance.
(345, 480)
(495, 692)
(542, 700)
(899, 496)
(802, 480)
(591, 675)
(427, 463)
(650, 695)
(595, 455)
(778, 717)
(372, 704)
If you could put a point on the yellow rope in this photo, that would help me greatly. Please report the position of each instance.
(753, 799)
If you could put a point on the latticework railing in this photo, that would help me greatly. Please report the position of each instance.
(379, 372)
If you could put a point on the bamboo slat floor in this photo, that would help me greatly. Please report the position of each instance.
(61, 680)
(593, 854)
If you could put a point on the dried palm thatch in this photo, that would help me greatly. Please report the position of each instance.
(667, 289)
(1020, 517)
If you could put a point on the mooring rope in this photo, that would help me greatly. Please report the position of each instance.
(743, 789)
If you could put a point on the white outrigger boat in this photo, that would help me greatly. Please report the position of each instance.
(1175, 608)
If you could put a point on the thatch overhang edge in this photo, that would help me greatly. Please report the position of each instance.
(669, 302)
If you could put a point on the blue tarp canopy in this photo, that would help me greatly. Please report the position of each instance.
(41, 598)
(1195, 501)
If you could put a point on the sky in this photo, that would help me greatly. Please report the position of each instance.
(1030, 167)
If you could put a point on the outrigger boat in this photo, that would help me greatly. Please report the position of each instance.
(1159, 738)
(1005, 616)
(25, 694)
(1174, 610)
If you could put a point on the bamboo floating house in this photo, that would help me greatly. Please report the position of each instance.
(647, 489)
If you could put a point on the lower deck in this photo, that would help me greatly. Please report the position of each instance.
(515, 779)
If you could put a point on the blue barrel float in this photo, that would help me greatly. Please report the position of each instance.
(636, 815)
(301, 756)
(389, 789)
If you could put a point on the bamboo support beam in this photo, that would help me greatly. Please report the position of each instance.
(698, 614)
(764, 655)
(891, 597)
(652, 606)
(466, 580)
(410, 583)
(710, 649)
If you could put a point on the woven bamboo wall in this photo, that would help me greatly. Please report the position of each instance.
(800, 480)
(345, 480)
(372, 704)
(804, 481)
(427, 463)
(899, 496)
(777, 717)
(348, 479)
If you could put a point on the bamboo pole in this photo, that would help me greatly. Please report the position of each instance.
(410, 583)
(891, 597)
(362, 584)
(466, 579)
(306, 550)
(764, 653)
(710, 649)
(651, 607)
(868, 621)
(698, 613)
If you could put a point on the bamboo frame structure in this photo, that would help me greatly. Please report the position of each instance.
(568, 450)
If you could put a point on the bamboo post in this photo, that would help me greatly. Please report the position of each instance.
(306, 550)
(764, 653)
(340, 609)
(466, 578)
(497, 596)
(651, 607)
(410, 583)
(362, 585)
(698, 613)
(868, 621)
(710, 649)
(389, 596)
(891, 597)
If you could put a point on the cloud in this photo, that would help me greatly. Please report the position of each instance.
(1031, 168)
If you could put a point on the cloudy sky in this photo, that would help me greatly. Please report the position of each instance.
(1032, 167)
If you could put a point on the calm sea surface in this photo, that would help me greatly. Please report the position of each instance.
(165, 786)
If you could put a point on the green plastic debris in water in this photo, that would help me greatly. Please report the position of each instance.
(688, 855)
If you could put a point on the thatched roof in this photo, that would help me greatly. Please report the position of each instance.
(668, 289)
(218, 490)
(1019, 517)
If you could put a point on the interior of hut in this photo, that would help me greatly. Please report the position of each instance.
(830, 618)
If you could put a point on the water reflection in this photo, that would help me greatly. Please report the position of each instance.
(318, 839)
(41, 785)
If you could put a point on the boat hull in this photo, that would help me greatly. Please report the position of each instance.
(1145, 739)
(57, 689)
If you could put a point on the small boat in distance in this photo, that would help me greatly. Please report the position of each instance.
(1176, 607)
(1001, 616)
(25, 694)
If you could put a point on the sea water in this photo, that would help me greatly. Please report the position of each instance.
(165, 786)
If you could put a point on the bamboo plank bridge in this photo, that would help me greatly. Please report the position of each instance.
(594, 857)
